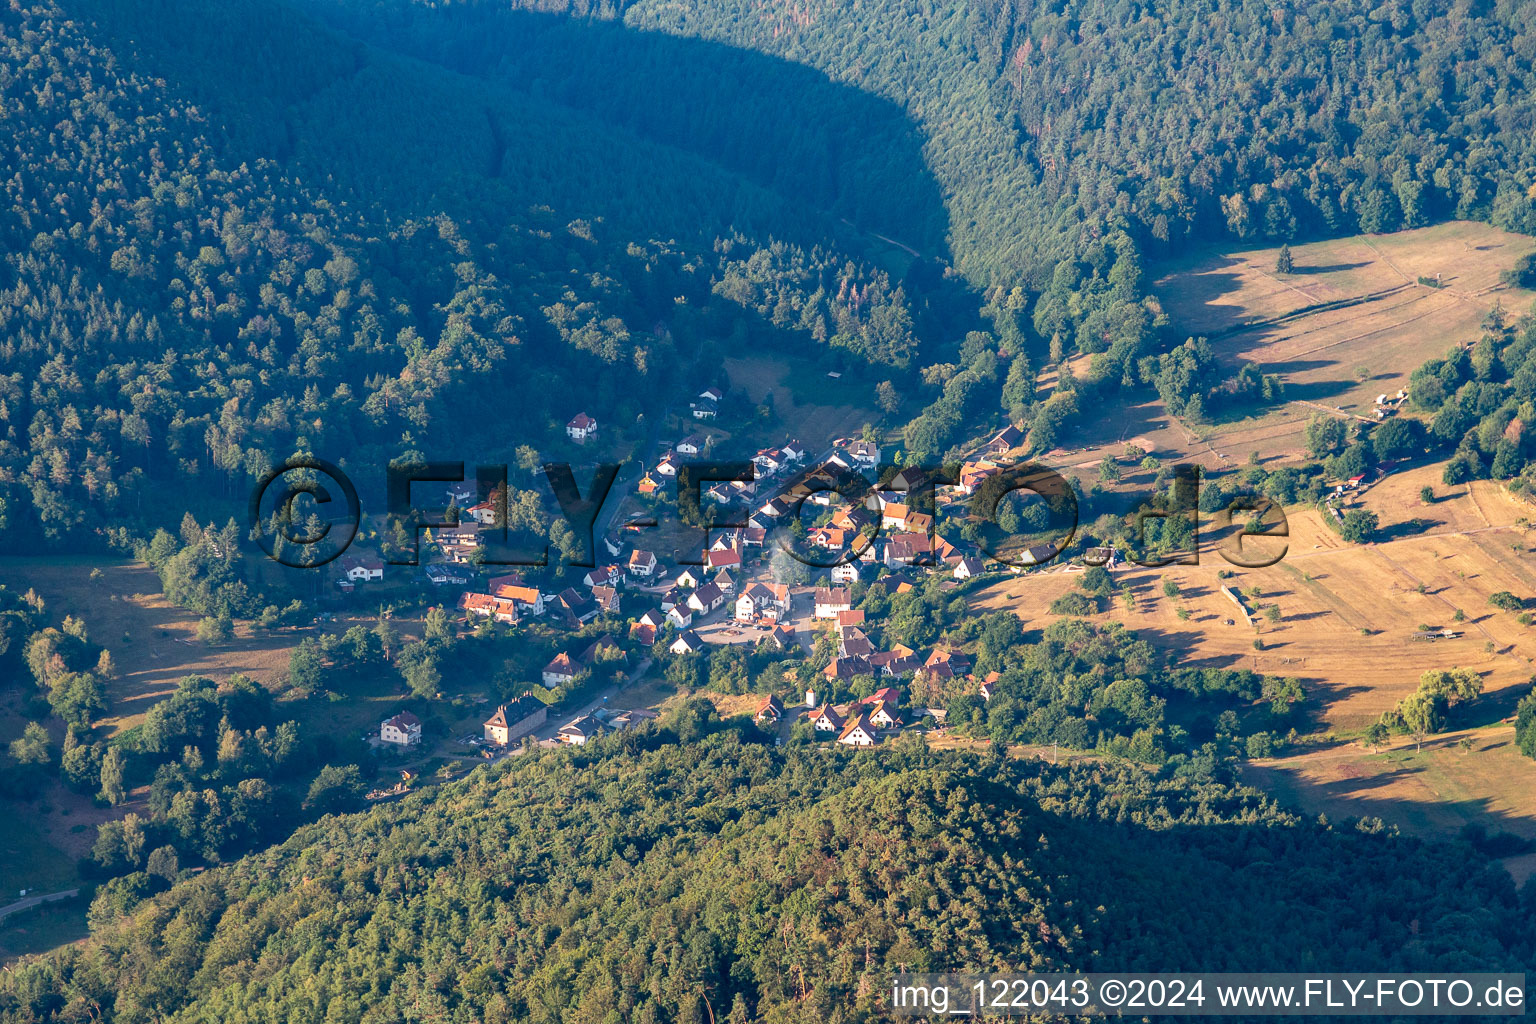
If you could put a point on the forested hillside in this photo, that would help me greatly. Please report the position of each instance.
(643, 879)
(1046, 123)
(217, 254)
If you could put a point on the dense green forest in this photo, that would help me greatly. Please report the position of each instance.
(386, 219)
(684, 873)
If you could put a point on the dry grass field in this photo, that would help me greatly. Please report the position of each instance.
(153, 643)
(1346, 616)
(1338, 360)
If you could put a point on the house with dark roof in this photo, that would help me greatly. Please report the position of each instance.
(511, 722)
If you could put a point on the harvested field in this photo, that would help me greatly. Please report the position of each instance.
(1350, 323)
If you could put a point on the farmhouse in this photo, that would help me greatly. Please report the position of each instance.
(680, 615)
(403, 730)
(846, 668)
(576, 608)
(513, 721)
(1004, 441)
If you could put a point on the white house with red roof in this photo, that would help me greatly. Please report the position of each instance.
(581, 427)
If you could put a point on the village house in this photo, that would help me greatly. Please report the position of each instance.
(603, 645)
(860, 732)
(987, 686)
(604, 576)
(648, 484)
(581, 427)
(885, 716)
(362, 569)
(974, 474)
(768, 461)
(705, 599)
(442, 574)
(944, 664)
(886, 695)
(725, 582)
(687, 643)
(830, 601)
(898, 662)
(578, 732)
(855, 644)
(846, 573)
(673, 597)
(1004, 441)
(513, 721)
(484, 513)
(704, 409)
(727, 559)
(680, 615)
(402, 730)
(487, 606)
(866, 455)
(1038, 554)
(693, 444)
(457, 543)
(826, 719)
(908, 549)
(850, 619)
(561, 671)
(529, 600)
(844, 669)
(646, 628)
(642, 564)
(968, 567)
(774, 508)
(783, 636)
(667, 467)
(690, 578)
(771, 710)
(762, 601)
(608, 600)
(575, 609)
